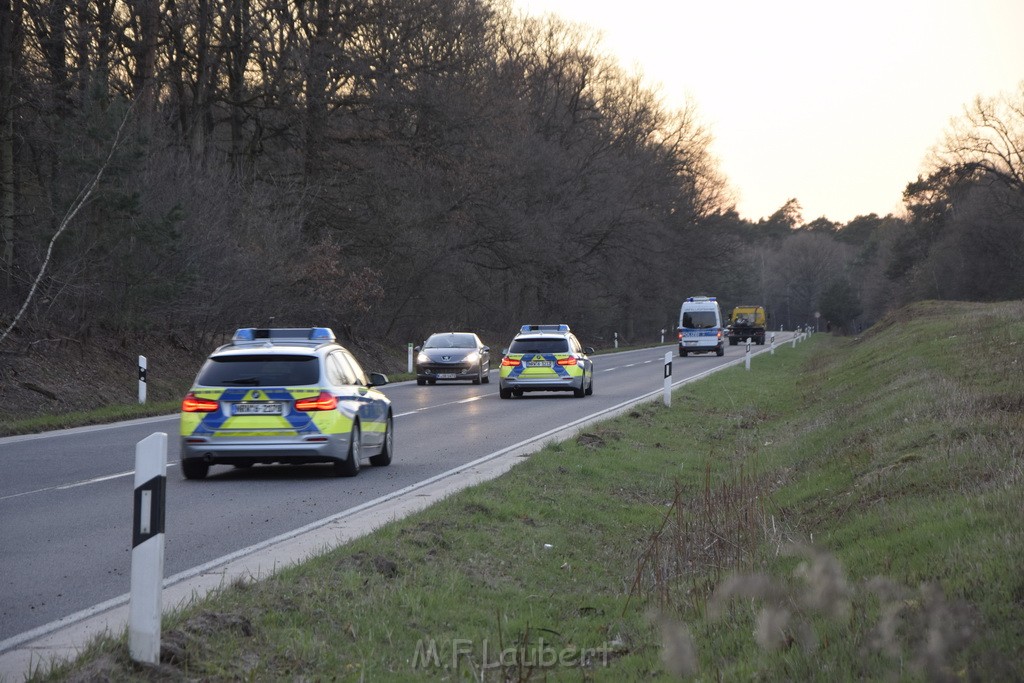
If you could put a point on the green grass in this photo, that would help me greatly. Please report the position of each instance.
(104, 415)
(849, 509)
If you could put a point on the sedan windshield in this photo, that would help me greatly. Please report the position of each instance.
(259, 371)
(450, 341)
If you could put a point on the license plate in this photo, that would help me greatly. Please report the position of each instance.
(263, 408)
(538, 364)
(446, 375)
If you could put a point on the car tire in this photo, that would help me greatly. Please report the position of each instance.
(431, 382)
(383, 459)
(420, 382)
(720, 351)
(505, 393)
(349, 467)
(487, 376)
(195, 469)
(579, 393)
(683, 354)
(479, 376)
(590, 387)
(518, 393)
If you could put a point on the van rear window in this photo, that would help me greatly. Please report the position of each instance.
(699, 320)
(259, 370)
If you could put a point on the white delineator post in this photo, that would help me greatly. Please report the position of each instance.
(663, 335)
(616, 340)
(746, 359)
(142, 379)
(668, 379)
(145, 604)
(410, 357)
(773, 343)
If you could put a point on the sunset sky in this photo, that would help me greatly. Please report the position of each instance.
(834, 103)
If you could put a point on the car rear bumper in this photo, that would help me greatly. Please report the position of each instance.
(553, 384)
(245, 450)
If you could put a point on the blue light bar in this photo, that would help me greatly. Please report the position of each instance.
(545, 328)
(292, 334)
(322, 334)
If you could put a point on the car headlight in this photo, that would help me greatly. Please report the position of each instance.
(473, 357)
(423, 358)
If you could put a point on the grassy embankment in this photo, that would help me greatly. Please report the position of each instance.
(848, 509)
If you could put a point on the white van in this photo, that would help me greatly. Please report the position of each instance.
(700, 326)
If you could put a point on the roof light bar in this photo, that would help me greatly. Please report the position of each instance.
(251, 334)
(545, 328)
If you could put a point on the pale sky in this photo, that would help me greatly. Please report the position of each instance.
(834, 103)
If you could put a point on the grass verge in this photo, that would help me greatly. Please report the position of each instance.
(849, 509)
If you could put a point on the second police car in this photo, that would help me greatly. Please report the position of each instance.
(546, 358)
(285, 395)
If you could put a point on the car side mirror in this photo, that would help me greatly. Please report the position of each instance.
(378, 379)
(485, 348)
(504, 352)
(588, 350)
(418, 348)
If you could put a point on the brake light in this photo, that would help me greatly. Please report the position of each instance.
(571, 360)
(680, 333)
(325, 401)
(194, 404)
(507, 362)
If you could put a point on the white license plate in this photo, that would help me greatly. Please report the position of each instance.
(446, 375)
(263, 408)
(538, 364)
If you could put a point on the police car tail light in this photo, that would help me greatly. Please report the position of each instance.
(509, 362)
(571, 360)
(325, 401)
(680, 335)
(194, 404)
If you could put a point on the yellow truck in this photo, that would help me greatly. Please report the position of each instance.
(747, 322)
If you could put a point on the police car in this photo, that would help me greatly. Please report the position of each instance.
(700, 326)
(285, 395)
(546, 358)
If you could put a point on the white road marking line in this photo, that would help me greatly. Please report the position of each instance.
(84, 482)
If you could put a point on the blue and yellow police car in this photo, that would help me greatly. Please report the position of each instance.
(546, 358)
(285, 395)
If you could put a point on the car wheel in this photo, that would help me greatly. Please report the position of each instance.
(388, 449)
(420, 382)
(487, 376)
(479, 376)
(590, 387)
(431, 381)
(504, 393)
(682, 354)
(194, 469)
(579, 393)
(349, 467)
(720, 351)
(518, 393)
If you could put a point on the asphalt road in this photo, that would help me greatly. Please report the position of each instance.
(66, 496)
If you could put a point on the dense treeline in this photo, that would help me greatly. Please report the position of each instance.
(390, 167)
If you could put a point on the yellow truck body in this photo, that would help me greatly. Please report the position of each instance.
(747, 322)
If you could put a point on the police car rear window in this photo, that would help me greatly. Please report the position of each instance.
(259, 370)
(528, 345)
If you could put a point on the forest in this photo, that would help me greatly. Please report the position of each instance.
(394, 167)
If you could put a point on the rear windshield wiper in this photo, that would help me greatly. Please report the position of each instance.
(250, 381)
